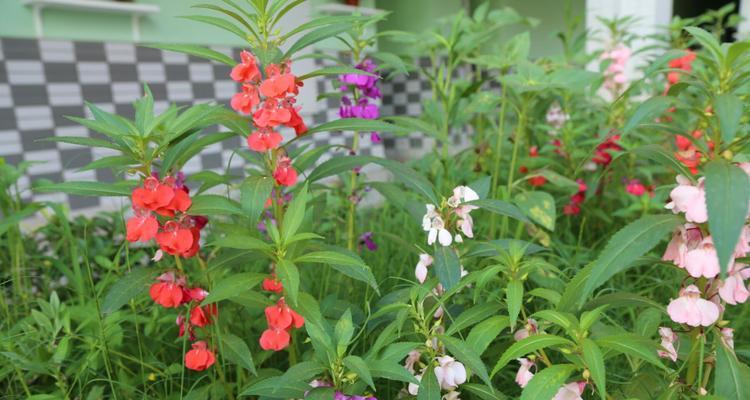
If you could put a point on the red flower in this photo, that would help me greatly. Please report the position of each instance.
(246, 100)
(202, 316)
(175, 239)
(247, 70)
(635, 187)
(685, 63)
(296, 122)
(534, 151)
(142, 226)
(195, 294)
(280, 316)
(603, 155)
(270, 115)
(274, 339)
(199, 358)
(272, 284)
(153, 195)
(264, 139)
(168, 292)
(180, 202)
(571, 209)
(285, 174)
(278, 85)
(537, 180)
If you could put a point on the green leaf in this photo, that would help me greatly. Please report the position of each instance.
(254, 192)
(409, 177)
(178, 155)
(539, 206)
(729, 381)
(232, 286)
(708, 41)
(82, 188)
(359, 367)
(115, 162)
(529, 345)
(235, 350)
(623, 299)
(633, 345)
(728, 108)
(343, 331)
(212, 204)
(347, 264)
(337, 165)
(473, 315)
(242, 242)
(658, 153)
(316, 36)
(391, 371)
(727, 194)
(429, 388)
(197, 51)
(485, 332)
(295, 214)
(308, 158)
(15, 218)
(547, 382)
(649, 109)
(482, 391)
(447, 267)
(595, 363)
(499, 207)
(219, 23)
(82, 141)
(128, 287)
(289, 276)
(626, 245)
(467, 356)
(564, 320)
(514, 298)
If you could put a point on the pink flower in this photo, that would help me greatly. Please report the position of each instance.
(733, 289)
(531, 328)
(691, 309)
(264, 139)
(244, 101)
(450, 373)
(689, 199)
(668, 338)
(411, 359)
(743, 244)
(465, 222)
(727, 336)
(686, 238)
(425, 260)
(524, 375)
(571, 391)
(413, 388)
(463, 194)
(703, 261)
(635, 187)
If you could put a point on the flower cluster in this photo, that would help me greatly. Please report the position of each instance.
(701, 301)
(614, 76)
(177, 233)
(684, 64)
(687, 153)
(453, 212)
(574, 207)
(271, 101)
(281, 319)
(171, 291)
(449, 373)
(604, 150)
(364, 89)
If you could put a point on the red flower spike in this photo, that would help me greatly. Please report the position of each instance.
(296, 122)
(199, 357)
(279, 85)
(180, 202)
(274, 339)
(142, 227)
(270, 115)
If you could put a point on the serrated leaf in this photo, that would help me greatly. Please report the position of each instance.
(629, 243)
(499, 207)
(289, 276)
(465, 354)
(126, 288)
(391, 371)
(727, 195)
(513, 299)
(197, 51)
(232, 286)
(485, 332)
(82, 188)
(728, 378)
(648, 109)
(335, 71)
(235, 350)
(254, 192)
(595, 363)
(547, 382)
(473, 315)
(529, 345)
(447, 267)
(359, 367)
(429, 388)
(728, 109)
(632, 345)
(655, 152)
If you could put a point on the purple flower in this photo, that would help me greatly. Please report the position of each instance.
(367, 85)
(374, 137)
(366, 239)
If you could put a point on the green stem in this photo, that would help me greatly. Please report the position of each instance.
(497, 156)
(517, 136)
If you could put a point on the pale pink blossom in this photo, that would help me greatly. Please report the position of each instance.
(413, 388)
(425, 260)
(743, 244)
(703, 260)
(531, 328)
(733, 289)
(411, 359)
(727, 336)
(690, 199)
(691, 309)
(556, 117)
(433, 224)
(571, 391)
(452, 395)
(524, 375)
(450, 373)
(668, 339)
(686, 238)
(463, 194)
(465, 222)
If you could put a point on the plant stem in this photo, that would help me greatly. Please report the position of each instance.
(497, 157)
(517, 136)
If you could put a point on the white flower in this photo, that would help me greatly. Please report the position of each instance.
(465, 222)
(425, 260)
(452, 395)
(571, 391)
(413, 387)
(450, 373)
(411, 359)
(462, 194)
(668, 338)
(434, 225)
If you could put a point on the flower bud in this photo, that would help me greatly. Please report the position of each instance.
(586, 374)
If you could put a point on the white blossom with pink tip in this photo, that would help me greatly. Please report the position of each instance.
(571, 391)
(450, 373)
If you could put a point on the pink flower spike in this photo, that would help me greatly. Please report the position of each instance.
(691, 309)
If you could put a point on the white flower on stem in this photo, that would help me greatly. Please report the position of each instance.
(450, 373)
(668, 339)
(463, 194)
(434, 225)
(413, 388)
(524, 374)
(425, 260)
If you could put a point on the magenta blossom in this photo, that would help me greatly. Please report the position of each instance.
(366, 239)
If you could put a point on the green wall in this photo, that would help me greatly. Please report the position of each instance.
(16, 20)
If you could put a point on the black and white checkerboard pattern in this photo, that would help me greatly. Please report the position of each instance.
(42, 81)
